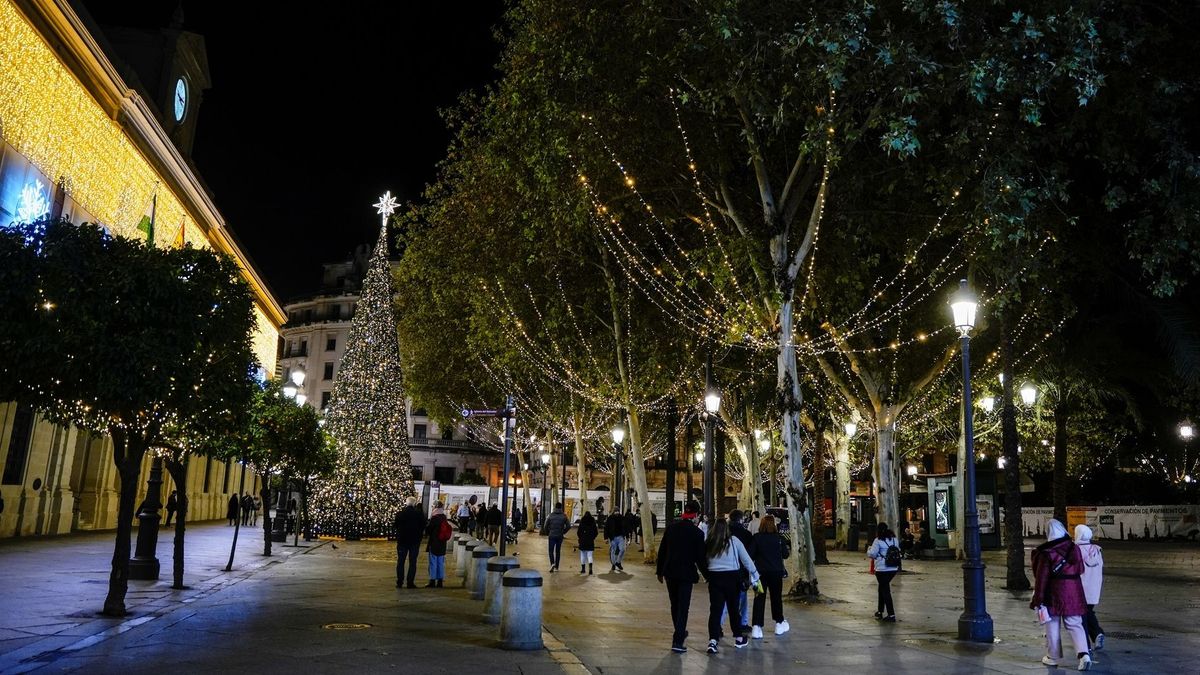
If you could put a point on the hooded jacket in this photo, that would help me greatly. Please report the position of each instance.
(557, 524)
(1093, 564)
(1060, 591)
(587, 532)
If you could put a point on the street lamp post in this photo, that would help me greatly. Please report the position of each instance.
(975, 624)
(712, 403)
(545, 459)
(618, 435)
(293, 389)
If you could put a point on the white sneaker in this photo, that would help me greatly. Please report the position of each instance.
(1085, 662)
(756, 632)
(1049, 661)
(782, 627)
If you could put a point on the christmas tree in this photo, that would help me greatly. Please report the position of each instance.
(367, 415)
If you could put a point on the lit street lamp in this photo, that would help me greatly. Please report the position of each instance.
(1186, 430)
(712, 404)
(545, 466)
(618, 435)
(988, 403)
(292, 389)
(1028, 394)
(975, 624)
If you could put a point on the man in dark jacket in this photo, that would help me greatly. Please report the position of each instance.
(494, 520)
(614, 532)
(557, 526)
(680, 556)
(737, 527)
(172, 506)
(410, 525)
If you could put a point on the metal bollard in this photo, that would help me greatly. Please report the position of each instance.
(464, 570)
(478, 573)
(521, 611)
(492, 596)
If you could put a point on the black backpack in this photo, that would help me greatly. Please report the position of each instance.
(891, 557)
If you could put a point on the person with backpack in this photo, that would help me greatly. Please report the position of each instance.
(557, 527)
(885, 552)
(1092, 579)
(587, 533)
(439, 532)
(767, 549)
(1057, 567)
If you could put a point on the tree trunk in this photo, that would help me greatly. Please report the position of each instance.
(128, 452)
(1013, 529)
(745, 495)
(580, 461)
(639, 482)
(789, 401)
(886, 476)
(960, 502)
(178, 470)
(820, 556)
(1061, 413)
(842, 469)
(526, 475)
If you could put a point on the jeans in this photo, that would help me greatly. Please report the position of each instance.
(885, 593)
(616, 550)
(680, 594)
(723, 591)
(1091, 624)
(743, 610)
(585, 557)
(410, 551)
(1074, 627)
(773, 584)
(555, 550)
(437, 567)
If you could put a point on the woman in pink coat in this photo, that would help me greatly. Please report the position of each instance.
(1093, 580)
(1057, 566)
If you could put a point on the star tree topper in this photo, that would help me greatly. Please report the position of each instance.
(386, 205)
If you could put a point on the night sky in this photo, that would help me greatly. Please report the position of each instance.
(313, 114)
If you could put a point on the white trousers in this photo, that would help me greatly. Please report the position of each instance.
(1054, 637)
(585, 557)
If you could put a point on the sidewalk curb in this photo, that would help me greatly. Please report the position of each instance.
(562, 654)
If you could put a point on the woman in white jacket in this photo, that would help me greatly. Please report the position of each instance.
(1093, 580)
(884, 573)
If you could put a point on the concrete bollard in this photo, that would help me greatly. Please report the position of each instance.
(464, 565)
(459, 542)
(478, 573)
(521, 610)
(492, 596)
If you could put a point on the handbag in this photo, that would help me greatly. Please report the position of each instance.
(1042, 614)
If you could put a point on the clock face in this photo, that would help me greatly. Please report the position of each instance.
(180, 99)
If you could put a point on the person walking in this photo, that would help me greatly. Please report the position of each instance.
(631, 527)
(172, 506)
(464, 517)
(755, 521)
(410, 525)
(680, 554)
(246, 504)
(495, 519)
(1092, 579)
(885, 551)
(587, 534)
(726, 558)
(231, 512)
(614, 533)
(767, 552)
(1057, 567)
(438, 532)
(557, 527)
(738, 529)
(254, 509)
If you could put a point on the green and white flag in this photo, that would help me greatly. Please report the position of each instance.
(146, 224)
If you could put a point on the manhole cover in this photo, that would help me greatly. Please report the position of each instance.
(346, 626)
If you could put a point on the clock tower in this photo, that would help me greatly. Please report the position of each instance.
(170, 67)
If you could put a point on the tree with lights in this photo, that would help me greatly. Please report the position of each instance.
(135, 342)
(367, 416)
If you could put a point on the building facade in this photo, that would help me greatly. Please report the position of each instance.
(313, 341)
(85, 136)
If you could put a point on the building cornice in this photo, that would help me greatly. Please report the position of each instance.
(71, 39)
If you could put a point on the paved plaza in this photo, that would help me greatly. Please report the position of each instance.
(274, 615)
